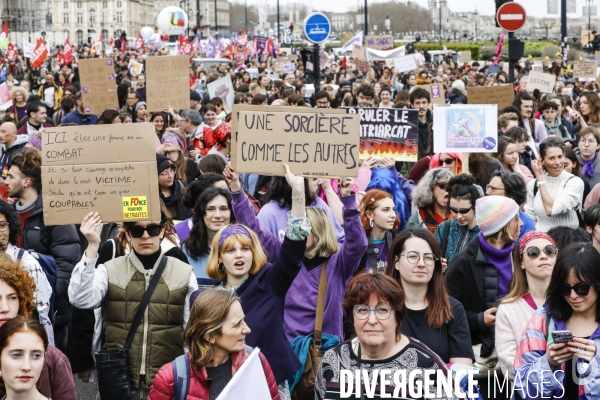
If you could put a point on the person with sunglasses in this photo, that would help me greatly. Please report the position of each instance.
(534, 257)
(430, 200)
(375, 306)
(450, 161)
(571, 305)
(455, 234)
(481, 274)
(119, 284)
(171, 189)
(432, 317)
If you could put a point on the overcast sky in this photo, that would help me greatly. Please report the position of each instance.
(536, 8)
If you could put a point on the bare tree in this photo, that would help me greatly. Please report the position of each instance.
(237, 16)
(546, 24)
(403, 17)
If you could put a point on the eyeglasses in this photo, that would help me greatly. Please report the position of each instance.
(169, 171)
(493, 188)
(588, 141)
(442, 185)
(413, 257)
(462, 211)
(581, 289)
(137, 231)
(4, 226)
(534, 252)
(382, 312)
(446, 161)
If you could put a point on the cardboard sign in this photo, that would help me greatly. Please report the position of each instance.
(98, 85)
(503, 96)
(95, 168)
(359, 51)
(168, 82)
(405, 63)
(278, 64)
(465, 128)
(135, 68)
(465, 56)
(436, 91)
(380, 42)
(313, 144)
(585, 69)
(223, 88)
(543, 82)
(388, 132)
(597, 53)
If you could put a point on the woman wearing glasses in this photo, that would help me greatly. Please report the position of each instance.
(554, 198)
(430, 200)
(375, 306)
(571, 305)
(481, 274)
(432, 316)
(119, 284)
(533, 261)
(588, 140)
(454, 235)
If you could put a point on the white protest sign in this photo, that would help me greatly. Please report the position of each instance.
(28, 49)
(405, 63)
(467, 128)
(223, 88)
(543, 82)
(289, 68)
(249, 382)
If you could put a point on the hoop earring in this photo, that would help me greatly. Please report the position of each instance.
(221, 267)
(371, 222)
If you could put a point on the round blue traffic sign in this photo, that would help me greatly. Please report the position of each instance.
(317, 27)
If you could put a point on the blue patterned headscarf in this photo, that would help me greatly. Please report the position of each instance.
(386, 180)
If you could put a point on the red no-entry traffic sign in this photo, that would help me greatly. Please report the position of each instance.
(511, 16)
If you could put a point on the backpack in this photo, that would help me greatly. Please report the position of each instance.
(577, 209)
(181, 375)
(48, 265)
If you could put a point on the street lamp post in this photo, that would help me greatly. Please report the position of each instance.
(366, 24)
(216, 25)
(278, 38)
(440, 2)
(246, 14)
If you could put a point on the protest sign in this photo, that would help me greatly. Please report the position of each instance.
(289, 68)
(249, 382)
(597, 53)
(380, 42)
(585, 69)
(98, 86)
(465, 56)
(5, 100)
(503, 95)
(135, 68)
(312, 144)
(93, 168)
(388, 132)
(223, 88)
(405, 63)
(438, 95)
(359, 51)
(465, 128)
(543, 82)
(168, 82)
(279, 63)
(28, 48)
(537, 68)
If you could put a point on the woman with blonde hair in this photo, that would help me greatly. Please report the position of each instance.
(533, 260)
(215, 337)
(19, 98)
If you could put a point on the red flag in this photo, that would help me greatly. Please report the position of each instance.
(123, 44)
(4, 35)
(59, 57)
(184, 45)
(39, 54)
(344, 61)
(11, 52)
(68, 52)
(139, 43)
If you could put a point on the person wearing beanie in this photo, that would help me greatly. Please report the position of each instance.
(171, 189)
(385, 97)
(533, 262)
(554, 197)
(481, 274)
(139, 112)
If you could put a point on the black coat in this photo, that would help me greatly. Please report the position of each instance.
(174, 202)
(473, 280)
(423, 140)
(62, 243)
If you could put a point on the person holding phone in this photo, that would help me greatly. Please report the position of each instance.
(568, 325)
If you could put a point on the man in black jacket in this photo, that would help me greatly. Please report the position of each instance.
(24, 183)
(419, 100)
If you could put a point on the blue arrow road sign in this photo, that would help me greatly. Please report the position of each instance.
(317, 27)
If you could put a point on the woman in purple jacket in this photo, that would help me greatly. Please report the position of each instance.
(322, 246)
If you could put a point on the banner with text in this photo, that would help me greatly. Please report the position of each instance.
(381, 42)
(388, 132)
(543, 82)
(93, 168)
(98, 85)
(312, 144)
(168, 83)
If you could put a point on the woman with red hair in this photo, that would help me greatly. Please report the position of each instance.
(379, 219)
(450, 161)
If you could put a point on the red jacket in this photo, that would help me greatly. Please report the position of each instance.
(163, 386)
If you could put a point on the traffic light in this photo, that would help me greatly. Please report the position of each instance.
(498, 4)
(516, 49)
